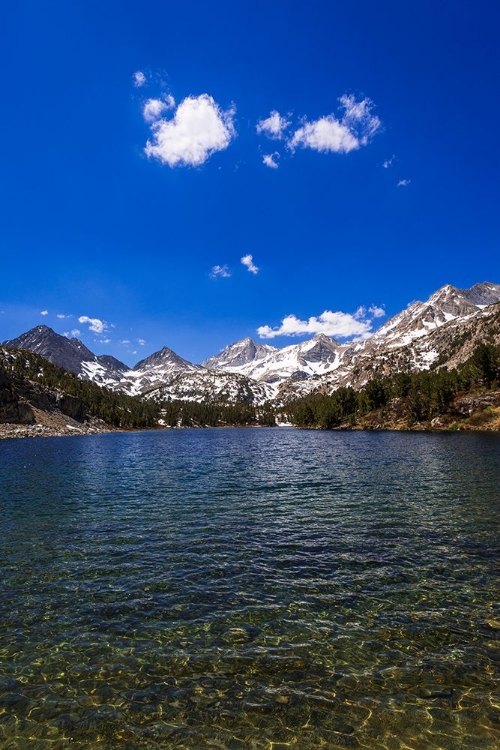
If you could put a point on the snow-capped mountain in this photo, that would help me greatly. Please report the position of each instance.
(235, 357)
(71, 354)
(441, 330)
(164, 374)
(212, 385)
(268, 364)
(159, 369)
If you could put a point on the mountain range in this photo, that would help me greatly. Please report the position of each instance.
(439, 332)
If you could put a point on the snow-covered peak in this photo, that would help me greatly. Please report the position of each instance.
(165, 358)
(239, 354)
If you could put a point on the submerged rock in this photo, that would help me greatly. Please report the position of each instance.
(436, 691)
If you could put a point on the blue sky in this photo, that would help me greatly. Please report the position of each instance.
(348, 152)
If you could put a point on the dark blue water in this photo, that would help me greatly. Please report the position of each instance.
(250, 589)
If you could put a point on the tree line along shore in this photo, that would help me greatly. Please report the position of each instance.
(38, 398)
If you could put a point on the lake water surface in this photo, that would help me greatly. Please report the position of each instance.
(250, 588)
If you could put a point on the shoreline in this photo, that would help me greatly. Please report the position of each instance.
(11, 431)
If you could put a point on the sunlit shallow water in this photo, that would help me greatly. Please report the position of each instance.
(250, 589)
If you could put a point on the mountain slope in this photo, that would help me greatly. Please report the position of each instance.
(71, 354)
(425, 335)
(268, 364)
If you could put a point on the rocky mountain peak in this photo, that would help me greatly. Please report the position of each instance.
(42, 340)
(238, 354)
(484, 294)
(164, 358)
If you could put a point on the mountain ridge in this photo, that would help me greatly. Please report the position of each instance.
(247, 371)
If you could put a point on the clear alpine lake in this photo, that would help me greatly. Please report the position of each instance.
(250, 588)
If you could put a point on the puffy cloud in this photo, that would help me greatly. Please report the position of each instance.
(197, 130)
(141, 342)
(44, 312)
(339, 324)
(62, 316)
(377, 312)
(270, 160)
(75, 332)
(273, 126)
(403, 183)
(222, 271)
(388, 162)
(139, 78)
(95, 325)
(247, 261)
(154, 108)
(340, 136)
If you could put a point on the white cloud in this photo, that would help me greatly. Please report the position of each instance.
(105, 341)
(75, 332)
(273, 126)
(125, 341)
(95, 325)
(270, 160)
(198, 129)
(340, 324)
(62, 316)
(388, 162)
(340, 136)
(139, 79)
(377, 312)
(222, 271)
(247, 261)
(44, 312)
(403, 183)
(141, 342)
(154, 108)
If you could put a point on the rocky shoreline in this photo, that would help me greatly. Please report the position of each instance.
(52, 424)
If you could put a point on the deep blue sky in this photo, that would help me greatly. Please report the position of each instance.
(92, 227)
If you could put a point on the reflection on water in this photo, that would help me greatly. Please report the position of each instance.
(250, 589)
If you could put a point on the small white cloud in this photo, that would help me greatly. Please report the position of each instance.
(62, 316)
(388, 162)
(377, 312)
(270, 160)
(330, 134)
(222, 271)
(141, 342)
(75, 332)
(273, 126)
(247, 261)
(339, 324)
(44, 312)
(105, 341)
(198, 129)
(403, 183)
(139, 78)
(154, 108)
(95, 325)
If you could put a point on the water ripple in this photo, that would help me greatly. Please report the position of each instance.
(250, 588)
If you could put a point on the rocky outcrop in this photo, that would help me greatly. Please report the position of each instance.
(21, 399)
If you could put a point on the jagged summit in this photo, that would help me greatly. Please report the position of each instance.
(42, 340)
(164, 358)
(240, 353)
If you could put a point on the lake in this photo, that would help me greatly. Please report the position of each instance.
(250, 588)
